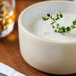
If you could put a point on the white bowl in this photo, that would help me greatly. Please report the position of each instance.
(47, 56)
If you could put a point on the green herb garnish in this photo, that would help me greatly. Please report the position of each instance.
(48, 15)
(44, 18)
(56, 25)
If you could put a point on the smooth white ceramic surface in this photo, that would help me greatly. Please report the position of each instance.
(48, 56)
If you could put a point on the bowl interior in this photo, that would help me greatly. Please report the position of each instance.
(30, 14)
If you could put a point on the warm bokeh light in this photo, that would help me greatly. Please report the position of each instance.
(10, 21)
(12, 37)
(7, 18)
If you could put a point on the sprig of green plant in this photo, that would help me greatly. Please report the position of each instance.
(56, 25)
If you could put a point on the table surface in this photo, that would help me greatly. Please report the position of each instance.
(9, 46)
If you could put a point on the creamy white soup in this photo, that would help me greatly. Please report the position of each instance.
(43, 29)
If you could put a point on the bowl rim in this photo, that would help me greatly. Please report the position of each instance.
(36, 37)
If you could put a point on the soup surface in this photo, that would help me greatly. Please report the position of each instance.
(43, 29)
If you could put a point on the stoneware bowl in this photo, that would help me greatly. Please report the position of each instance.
(46, 55)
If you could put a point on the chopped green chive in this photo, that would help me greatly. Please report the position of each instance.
(61, 16)
(57, 15)
(44, 18)
(53, 26)
(59, 29)
(52, 23)
(55, 30)
(72, 26)
(48, 15)
(57, 25)
(74, 22)
(63, 29)
(68, 29)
